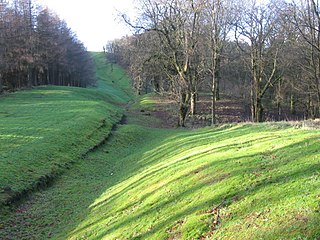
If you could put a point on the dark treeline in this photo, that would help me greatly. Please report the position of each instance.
(37, 48)
(266, 54)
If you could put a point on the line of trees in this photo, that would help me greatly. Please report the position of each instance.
(37, 48)
(266, 53)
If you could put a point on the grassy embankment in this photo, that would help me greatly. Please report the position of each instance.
(239, 181)
(45, 129)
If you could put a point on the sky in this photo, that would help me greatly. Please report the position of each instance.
(94, 21)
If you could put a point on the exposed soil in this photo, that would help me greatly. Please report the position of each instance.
(228, 110)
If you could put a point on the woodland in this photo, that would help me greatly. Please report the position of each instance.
(264, 54)
(88, 147)
(37, 48)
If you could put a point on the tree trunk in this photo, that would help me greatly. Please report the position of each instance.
(29, 77)
(279, 110)
(258, 110)
(217, 93)
(253, 103)
(318, 105)
(292, 104)
(310, 109)
(215, 83)
(213, 109)
(213, 100)
(278, 100)
(48, 76)
(193, 102)
(217, 77)
(183, 109)
(1, 87)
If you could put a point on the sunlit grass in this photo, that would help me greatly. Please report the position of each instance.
(257, 181)
(112, 80)
(169, 186)
(43, 129)
(238, 181)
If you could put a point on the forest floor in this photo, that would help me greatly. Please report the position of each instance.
(228, 110)
(150, 180)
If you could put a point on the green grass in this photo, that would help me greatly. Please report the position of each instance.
(45, 129)
(112, 80)
(262, 182)
(240, 181)
(257, 181)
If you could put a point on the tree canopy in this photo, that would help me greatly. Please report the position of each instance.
(37, 48)
(267, 54)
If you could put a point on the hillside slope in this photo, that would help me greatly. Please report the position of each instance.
(237, 182)
(44, 130)
(241, 181)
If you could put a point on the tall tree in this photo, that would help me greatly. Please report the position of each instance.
(177, 25)
(3, 6)
(307, 21)
(180, 44)
(218, 18)
(38, 48)
(258, 26)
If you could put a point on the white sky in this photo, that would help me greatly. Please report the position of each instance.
(95, 21)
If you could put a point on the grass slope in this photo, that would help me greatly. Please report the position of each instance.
(232, 182)
(238, 182)
(112, 80)
(45, 129)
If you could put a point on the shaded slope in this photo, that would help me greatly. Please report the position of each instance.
(236, 182)
(44, 130)
(233, 182)
(242, 182)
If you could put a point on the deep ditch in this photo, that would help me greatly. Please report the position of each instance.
(13, 199)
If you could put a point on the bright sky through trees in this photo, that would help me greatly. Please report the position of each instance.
(95, 22)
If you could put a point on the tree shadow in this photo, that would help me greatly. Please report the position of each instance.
(257, 184)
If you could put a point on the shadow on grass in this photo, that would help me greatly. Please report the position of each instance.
(152, 168)
(125, 182)
(253, 177)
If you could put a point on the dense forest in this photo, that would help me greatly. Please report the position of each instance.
(37, 48)
(264, 53)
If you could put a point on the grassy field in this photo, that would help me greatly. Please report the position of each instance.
(45, 129)
(238, 181)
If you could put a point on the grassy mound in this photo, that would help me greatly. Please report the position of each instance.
(241, 181)
(232, 182)
(237, 182)
(44, 130)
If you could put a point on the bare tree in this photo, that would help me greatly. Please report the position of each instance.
(218, 18)
(177, 26)
(38, 48)
(307, 20)
(180, 44)
(258, 25)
